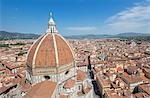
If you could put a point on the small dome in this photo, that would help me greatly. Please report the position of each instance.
(50, 50)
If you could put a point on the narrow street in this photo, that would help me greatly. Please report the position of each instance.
(95, 86)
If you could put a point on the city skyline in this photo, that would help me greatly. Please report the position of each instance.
(76, 17)
(48, 65)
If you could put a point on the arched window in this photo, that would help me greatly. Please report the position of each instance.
(79, 87)
(51, 30)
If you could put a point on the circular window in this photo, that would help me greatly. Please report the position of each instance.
(47, 77)
(66, 72)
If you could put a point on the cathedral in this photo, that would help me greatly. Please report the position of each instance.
(51, 68)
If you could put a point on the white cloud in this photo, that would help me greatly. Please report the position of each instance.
(135, 19)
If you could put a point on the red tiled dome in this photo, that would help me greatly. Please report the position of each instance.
(50, 50)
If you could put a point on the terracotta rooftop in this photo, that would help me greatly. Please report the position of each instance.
(141, 95)
(81, 76)
(50, 50)
(133, 79)
(44, 89)
(25, 87)
(10, 65)
(3, 89)
(113, 94)
(145, 88)
(103, 80)
(69, 83)
(63, 96)
(120, 69)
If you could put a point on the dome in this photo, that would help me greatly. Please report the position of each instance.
(50, 50)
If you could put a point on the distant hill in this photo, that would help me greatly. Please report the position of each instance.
(89, 36)
(134, 36)
(4, 35)
(121, 35)
(131, 34)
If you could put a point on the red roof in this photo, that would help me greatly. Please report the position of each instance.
(120, 69)
(49, 50)
(44, 89)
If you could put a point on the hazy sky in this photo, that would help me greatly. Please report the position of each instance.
(76, 16)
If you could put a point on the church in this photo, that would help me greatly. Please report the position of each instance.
(51, 68)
